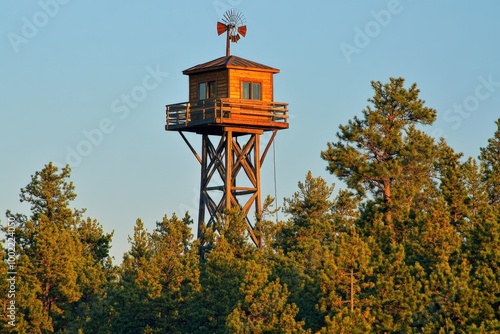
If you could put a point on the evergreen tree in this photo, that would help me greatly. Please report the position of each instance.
(452, 300)
(451, 183)
(483, 243)
(91, 313)
(345, 279)
(302, 242)
(5, 293)
(490, 158)
(395, 299)
(349, 322)
(55, 270)
(130, 297)
(384, 153)
(310, 215)
(220, 277)
(174, 272)
(264, 307)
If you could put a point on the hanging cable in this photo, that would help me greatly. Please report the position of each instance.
(275, 183)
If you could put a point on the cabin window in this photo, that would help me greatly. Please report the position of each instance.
(251, 90)
(207, 90)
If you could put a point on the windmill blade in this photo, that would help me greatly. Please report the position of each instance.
(242, 30)
(221, 28)
(229, 16)
(234, 24)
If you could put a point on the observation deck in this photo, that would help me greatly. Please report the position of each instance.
(211, 116)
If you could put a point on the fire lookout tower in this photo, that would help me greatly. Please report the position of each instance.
(230, 105)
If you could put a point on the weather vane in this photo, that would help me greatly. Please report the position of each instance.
(234, 24)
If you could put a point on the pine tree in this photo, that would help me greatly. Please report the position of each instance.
(302, 243)
(130, 296)
(349, 322)
(483, 240)
(384, 153)
(91, 313)
(55, 270)
(490, 158)
(264, 307)
(47, 244)
(174, 272)
(345, 279)
(6, 295)
(451, 183)
(395, 299)
(310, 214)
(453, 303)
(158, 277)
(482, 252)
(220, 276)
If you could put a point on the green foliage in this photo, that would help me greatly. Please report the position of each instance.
(61, 258)
(411, 246)
(349, 322)
(158, 275)
(490, 159)
(383, 153)
(264, 307)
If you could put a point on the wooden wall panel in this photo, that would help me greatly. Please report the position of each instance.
(237, 76)
(229, 83)
(219, 76)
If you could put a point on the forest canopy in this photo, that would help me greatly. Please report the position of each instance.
(410, 245)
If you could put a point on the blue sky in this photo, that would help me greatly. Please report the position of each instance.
(69, 68)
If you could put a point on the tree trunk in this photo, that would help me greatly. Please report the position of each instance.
(388, 208)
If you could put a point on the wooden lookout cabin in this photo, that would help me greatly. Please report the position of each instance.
(228, 91)
(231, 104)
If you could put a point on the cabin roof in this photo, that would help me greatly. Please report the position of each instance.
(231, 62)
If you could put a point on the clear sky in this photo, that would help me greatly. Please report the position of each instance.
(70, 68)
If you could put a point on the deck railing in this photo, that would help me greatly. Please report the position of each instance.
(221, 110)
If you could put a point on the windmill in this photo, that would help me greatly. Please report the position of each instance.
(234, 24)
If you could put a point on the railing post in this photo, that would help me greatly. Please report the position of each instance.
(219, 109)
(166, 115)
